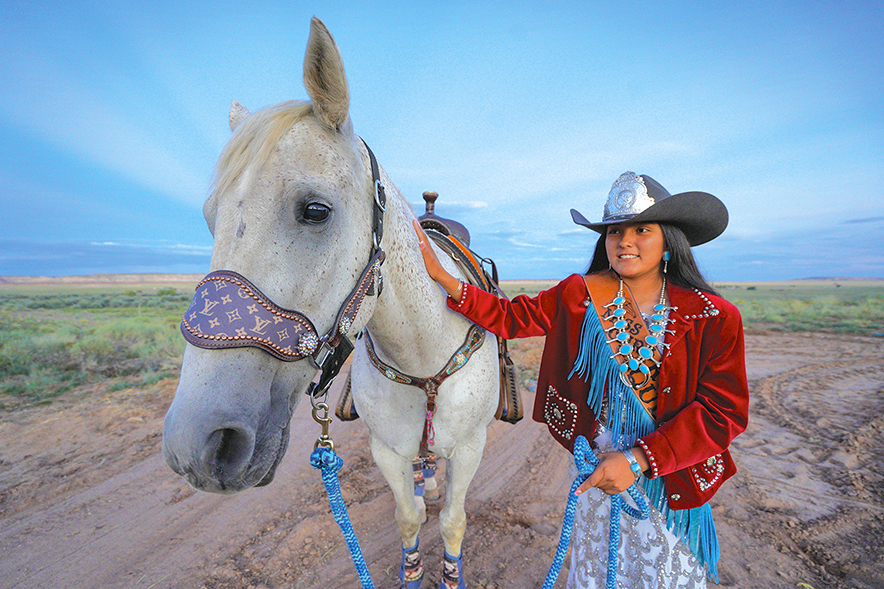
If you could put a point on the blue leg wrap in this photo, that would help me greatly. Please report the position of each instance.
(452, 572)
(411, 568)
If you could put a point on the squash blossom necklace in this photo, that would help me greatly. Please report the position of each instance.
(636, 358)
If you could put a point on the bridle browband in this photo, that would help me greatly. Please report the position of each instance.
(228, 311)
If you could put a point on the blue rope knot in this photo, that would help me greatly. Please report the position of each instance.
(586, 462)
(323, 458)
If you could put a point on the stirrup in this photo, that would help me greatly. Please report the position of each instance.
(452, 572)
(411, 571)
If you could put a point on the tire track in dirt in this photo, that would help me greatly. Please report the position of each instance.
(88, 501)
(809, 475)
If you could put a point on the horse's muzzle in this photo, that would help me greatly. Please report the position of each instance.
(226, 460)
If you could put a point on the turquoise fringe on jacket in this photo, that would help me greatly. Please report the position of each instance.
(596, 365)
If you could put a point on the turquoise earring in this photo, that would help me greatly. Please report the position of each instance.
(666, 257)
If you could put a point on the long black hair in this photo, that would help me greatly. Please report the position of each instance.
(682, 270)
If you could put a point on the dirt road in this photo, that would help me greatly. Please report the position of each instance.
(86, 500)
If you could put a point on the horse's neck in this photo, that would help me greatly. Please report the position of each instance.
(411, 324)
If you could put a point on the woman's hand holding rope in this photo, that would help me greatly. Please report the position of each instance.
(613, 474)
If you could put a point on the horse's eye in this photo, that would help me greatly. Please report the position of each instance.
(316, 213)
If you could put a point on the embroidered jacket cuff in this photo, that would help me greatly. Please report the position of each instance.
(660, 454)
(466, 300)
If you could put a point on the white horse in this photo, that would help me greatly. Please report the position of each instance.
(292, 210)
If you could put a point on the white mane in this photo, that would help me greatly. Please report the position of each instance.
(255, 139)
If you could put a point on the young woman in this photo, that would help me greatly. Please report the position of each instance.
(644, 360)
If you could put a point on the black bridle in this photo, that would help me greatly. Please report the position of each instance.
(228, 311)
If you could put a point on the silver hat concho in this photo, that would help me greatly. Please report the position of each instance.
(628, 197)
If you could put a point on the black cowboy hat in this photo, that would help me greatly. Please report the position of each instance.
(635, 198)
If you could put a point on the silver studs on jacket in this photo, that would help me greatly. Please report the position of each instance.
(709, 311)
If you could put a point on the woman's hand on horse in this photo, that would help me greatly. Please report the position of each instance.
(449, 283)
(612, 475)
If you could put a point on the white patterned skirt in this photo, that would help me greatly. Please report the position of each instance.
(649, 557)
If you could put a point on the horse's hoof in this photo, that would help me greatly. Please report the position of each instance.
(411, 571)
(422, 508)
(452, 572)
(432, 495)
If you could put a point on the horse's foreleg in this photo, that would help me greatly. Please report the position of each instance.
(399, 474)
(425, 485)
(462, 466)
(431, 487)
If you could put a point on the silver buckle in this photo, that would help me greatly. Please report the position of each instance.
(378, 188)
(322, 355)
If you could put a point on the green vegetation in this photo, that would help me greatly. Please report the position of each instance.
(55, 339)
(53, 342)
(852, 306)
(528, 287)
(848, 306)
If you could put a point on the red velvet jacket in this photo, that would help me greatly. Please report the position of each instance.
(703, 396)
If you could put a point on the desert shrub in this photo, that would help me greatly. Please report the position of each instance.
(845, 312)
(50, 344)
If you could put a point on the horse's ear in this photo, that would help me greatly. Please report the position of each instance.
(237, 113)
(324, 77)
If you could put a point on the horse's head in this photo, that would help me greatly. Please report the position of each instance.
(291, 211)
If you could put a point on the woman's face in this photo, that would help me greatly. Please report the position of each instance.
(635, 250)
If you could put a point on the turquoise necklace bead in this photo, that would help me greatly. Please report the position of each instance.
(634, 358)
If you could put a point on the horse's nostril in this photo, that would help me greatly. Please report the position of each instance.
(228, 452)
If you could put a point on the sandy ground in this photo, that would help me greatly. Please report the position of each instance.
(87, 501)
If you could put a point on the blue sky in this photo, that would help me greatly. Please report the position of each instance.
(113, 114)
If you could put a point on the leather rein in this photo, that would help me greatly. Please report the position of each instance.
(228, 311)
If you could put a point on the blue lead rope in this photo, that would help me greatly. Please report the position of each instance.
(586, 462)
(329, 464)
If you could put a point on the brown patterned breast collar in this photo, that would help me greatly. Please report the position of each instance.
(430, 385)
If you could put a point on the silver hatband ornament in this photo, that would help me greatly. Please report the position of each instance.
(628, 197)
